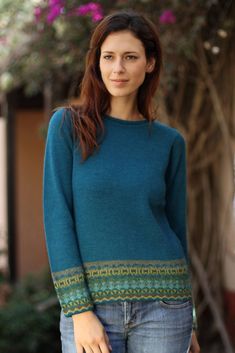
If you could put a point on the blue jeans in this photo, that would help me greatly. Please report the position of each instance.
(139, 326)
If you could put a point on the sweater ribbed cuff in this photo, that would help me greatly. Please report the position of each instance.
(72, 291)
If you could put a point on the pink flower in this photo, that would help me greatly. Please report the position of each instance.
(90, 8)
(82, 10)
(37, 13)
(167, 17)
(54, 3)
(94, 6)
(97, 16)
(55, 9)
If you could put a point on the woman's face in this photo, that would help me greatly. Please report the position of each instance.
(123, 63)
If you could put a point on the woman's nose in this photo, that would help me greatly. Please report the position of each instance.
(118, 66)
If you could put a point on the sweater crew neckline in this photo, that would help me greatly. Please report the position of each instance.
(117, 120)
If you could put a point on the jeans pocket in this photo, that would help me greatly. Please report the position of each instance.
(175, 304)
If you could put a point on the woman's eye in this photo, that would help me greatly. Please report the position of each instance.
(132, 56)
(129, 57)
(107, 56)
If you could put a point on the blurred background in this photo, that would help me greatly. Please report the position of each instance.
(42, 55)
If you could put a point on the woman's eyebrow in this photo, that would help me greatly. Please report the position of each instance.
(126, 52)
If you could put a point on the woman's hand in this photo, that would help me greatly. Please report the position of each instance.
(194, 348)
(90, 334)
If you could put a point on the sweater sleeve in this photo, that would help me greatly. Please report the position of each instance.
(176, 191)
(60, 232)
(176, 198)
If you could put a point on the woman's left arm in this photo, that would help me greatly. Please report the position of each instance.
(176, 190)
(194, 348)
(176, 206)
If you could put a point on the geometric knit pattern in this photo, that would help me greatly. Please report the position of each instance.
(71, 290)
(132, 280)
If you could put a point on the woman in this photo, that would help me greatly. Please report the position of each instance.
(115, 204)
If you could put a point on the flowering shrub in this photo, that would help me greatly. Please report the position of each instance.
(56, 8)
(48, 39)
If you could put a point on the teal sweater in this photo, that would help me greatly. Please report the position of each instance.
(116, 225)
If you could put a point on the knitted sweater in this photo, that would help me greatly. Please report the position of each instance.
(116, 225)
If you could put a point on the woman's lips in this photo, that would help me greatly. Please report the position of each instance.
(119, 82)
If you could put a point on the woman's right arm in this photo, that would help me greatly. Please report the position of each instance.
(61, 239)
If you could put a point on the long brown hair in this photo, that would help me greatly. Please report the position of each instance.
(94, 99)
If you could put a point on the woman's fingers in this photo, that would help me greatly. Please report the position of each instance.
(89, 349)
(107, 340)
(104, 347)
(79, 348)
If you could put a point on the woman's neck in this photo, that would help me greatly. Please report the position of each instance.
(124, 108)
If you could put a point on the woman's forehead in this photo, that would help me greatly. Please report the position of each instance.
(123, 41)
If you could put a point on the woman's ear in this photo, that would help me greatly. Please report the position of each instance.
(150, 65)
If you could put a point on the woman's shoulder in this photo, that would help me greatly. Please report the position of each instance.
(60, 124)
(169, 131)
(59, 115)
